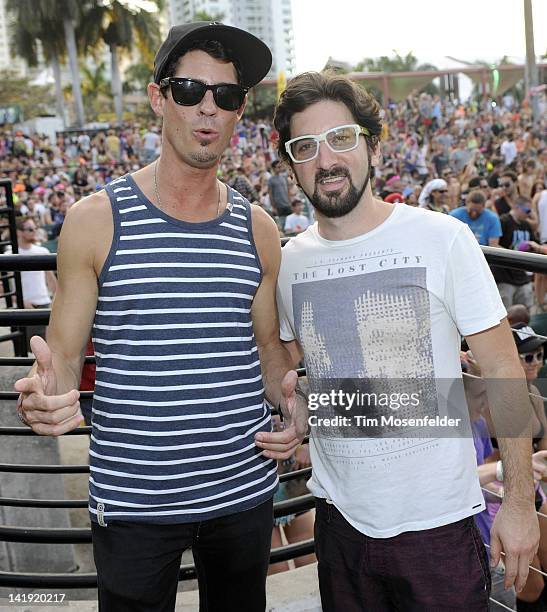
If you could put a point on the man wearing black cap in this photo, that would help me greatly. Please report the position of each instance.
(176, 273)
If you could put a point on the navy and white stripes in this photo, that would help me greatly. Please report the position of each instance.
(179, 393)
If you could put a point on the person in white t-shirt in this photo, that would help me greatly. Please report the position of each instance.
(38, 285)
(296, 222)
(376, 298)
(151, 142)
(508, 149)
(539, 206)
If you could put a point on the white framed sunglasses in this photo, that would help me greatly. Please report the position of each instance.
(529, 358)
(339, 139)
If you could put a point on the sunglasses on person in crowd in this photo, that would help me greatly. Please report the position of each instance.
(339, 139)
(530, 357)
(506, 185)
(189, 92)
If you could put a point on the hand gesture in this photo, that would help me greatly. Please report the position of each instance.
(39, 406)
(282, 444)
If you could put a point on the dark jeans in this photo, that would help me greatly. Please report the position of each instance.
(435, 570)
(138, 564)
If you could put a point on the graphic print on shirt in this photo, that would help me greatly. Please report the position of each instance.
(368, 333)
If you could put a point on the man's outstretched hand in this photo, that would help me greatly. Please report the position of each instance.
(282, 444)
(39, 406)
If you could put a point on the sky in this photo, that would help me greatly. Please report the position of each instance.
(349, 30)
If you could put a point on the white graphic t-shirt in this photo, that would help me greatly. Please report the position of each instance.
(391, 305)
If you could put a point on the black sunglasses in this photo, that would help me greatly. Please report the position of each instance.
(189, 92)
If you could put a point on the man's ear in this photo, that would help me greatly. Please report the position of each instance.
(156, 98)
(376, 154)
(241, 109)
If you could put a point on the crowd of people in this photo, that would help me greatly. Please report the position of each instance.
(477, 163)
(483, 164)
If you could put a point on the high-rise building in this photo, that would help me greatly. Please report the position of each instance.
(269, 20)
(7, 60)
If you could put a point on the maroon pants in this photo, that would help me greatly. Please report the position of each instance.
(435, 570)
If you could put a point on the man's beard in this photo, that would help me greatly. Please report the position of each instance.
(204, 157)
(334, 205)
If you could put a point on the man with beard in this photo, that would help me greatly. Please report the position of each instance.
(484, 224)
(376, 295)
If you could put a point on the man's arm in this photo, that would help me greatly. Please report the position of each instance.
(495, 231)
(275, 360)
(49, 392)
(51, 281)
(515, 529)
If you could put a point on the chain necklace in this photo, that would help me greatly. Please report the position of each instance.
(157, 193)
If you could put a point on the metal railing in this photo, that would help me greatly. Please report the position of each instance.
(497, 256)
(11, 288)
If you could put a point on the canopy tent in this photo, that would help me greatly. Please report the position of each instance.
(494, 81)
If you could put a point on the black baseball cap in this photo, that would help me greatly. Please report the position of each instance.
(254, 57)
(526, 339)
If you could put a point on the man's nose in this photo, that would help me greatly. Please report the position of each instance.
(208, 106)
(325, 157)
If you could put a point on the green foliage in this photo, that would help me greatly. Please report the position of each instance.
(118, 25)
(205, 16)
(34, 100)
(94, 81)
(261, 102)
(137, 77)
(34, 21)
(397, 63)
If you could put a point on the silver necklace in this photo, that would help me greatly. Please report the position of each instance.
(157, 193)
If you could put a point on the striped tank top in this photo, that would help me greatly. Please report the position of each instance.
(178, 392)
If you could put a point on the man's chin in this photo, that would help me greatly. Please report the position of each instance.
(204, 158)
(332, 208)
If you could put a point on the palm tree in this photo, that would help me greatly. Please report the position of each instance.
(397, 63)
(52, 17)
(96, 88)
(71, 11)
(26, 32)
(121, 24)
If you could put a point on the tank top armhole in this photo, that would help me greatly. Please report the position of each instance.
(115, 236)
(248, 214)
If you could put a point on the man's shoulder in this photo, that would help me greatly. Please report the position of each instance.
(36, 249)
(427, 220)
(459, 213)
(491, 215)
(300, 245)
(95, 205)
(89, 221)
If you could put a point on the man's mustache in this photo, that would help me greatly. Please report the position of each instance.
(336, 171)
